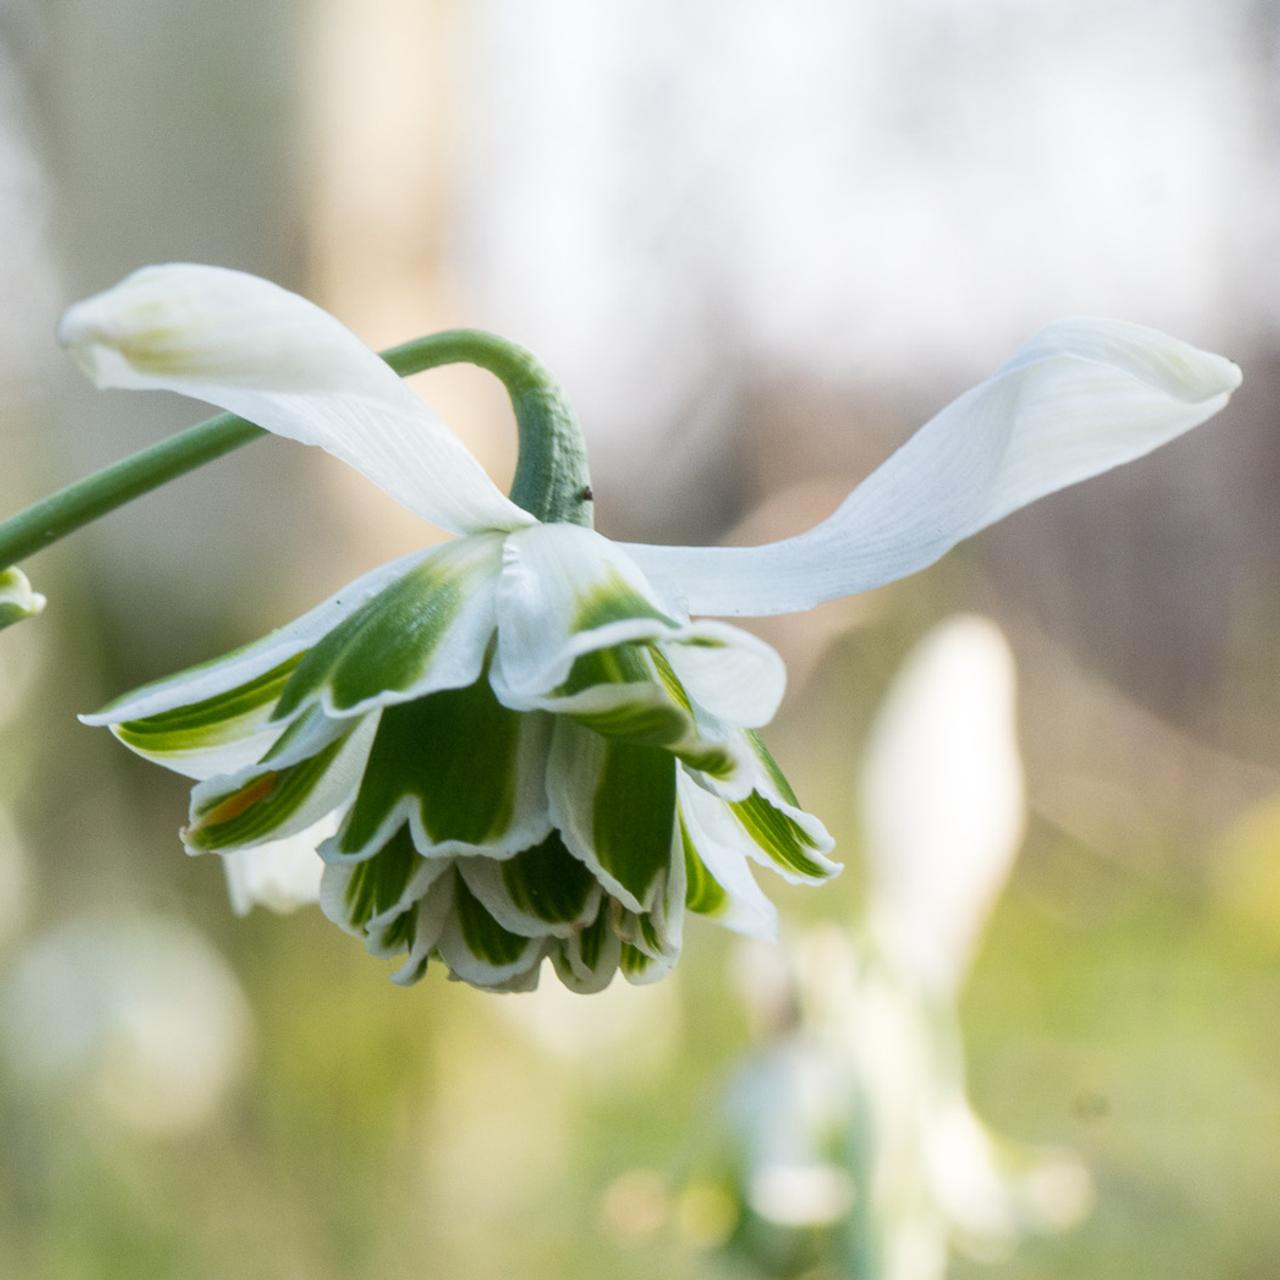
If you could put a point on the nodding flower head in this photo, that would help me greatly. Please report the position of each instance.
(521, 745)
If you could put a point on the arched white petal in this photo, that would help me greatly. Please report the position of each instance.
(281, 876)
(1081, 397)
(942, 800)
(248, 346)
(209, 682)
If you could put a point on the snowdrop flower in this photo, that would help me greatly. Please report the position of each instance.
(520, 744)
(17, 599)
(868, 1092)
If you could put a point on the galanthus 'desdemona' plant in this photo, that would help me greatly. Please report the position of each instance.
(522, 744)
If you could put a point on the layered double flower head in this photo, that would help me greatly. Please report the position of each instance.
(518, 746)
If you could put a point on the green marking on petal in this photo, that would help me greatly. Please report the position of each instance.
(548, 882)
(634, 963)
(378, 883)
(613, 599)
(771, 767)
(250, 813)
(454, 755)
(670, 681)
(592, 939)
(780, 836)
(484, 936)
(649, 705)
(226, 717)
(703, 893)
(633, 814)
(387, 644)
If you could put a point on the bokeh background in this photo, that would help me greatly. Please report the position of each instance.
(758, 243)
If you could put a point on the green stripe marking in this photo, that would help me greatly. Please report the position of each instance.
(388, 643)
(210, 721)
(250, 814)
(703, 893)
(783, 839)
(378, 883)
(484, 936)
(548, 882)
(456, 754)
(634, 813)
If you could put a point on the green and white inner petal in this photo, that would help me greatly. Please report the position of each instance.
(310, 772)
(587, 960)
(716, 848)
(429, 629)
(613, 803)
(465, 773)
(651, 941)
(630, 692)
(477, 948)
(783, 836)
(566, 592)
(542, 891)
(378, 899)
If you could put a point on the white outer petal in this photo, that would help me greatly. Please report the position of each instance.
(942, 800)
(253, 660)
(250, 347)
(1080, 398)
(282, 875)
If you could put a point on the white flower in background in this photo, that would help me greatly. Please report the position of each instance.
(17, 599)
(138, 1016)
(518, 745)
(866, 1098)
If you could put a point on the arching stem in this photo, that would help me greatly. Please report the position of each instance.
(551, 480)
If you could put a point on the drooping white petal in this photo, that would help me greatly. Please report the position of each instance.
(282, 875)
(1080, 398)
(248, 346)
(566, 591)
(942, 800)
(211, 680)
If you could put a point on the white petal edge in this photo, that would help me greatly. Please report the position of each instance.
(281, 876)
(250, 347)
(220, 675)
(946, 731)
(1081, 397)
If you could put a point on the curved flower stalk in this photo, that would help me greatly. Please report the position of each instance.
(857, 1125)
(519, 745)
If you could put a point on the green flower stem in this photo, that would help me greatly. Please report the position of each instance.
(551, 479)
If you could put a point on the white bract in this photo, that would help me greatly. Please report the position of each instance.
(518, 745)
(874, 1078)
